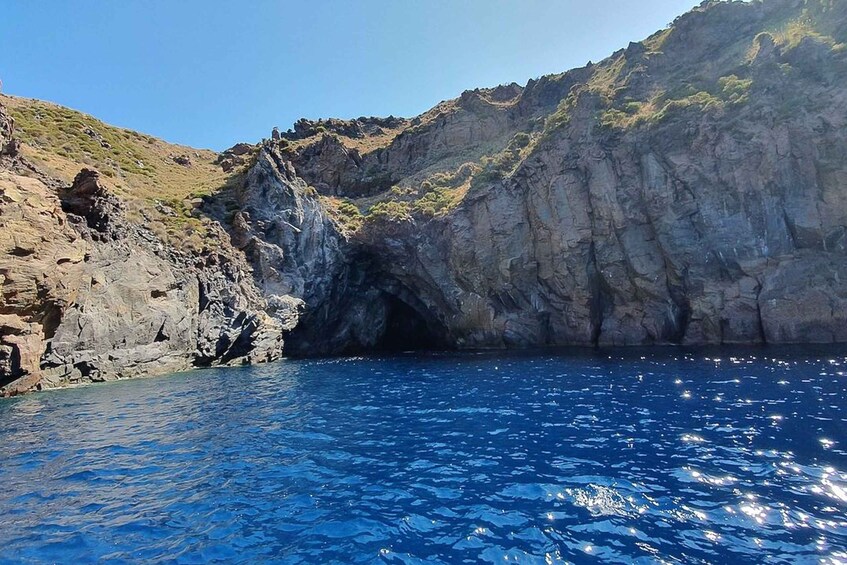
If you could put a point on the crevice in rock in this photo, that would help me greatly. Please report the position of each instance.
(598, 296)
(202, 297)
(242, 345)
(161, 335)
(759, 319)
(680, 314)
(21, 251)
(51, 314)
(789, 226)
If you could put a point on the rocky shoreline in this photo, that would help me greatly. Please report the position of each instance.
(688, 190)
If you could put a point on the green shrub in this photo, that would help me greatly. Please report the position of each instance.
(734, 89)
(348, 209)
(391, 210)
(450, 179)
(400, 191)
(520, 141)
(797, 30)
(435, 203)
(614, 118)
(348, 215)
(702, 100)
(492, 171)
(561, 117)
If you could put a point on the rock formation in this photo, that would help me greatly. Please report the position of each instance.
(88, 295)
(690, 189)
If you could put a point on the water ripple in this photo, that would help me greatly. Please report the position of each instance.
(616, 456)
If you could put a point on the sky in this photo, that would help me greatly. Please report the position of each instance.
(211, 73)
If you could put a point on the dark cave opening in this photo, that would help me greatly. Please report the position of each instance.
(406, 329)
(368, 311)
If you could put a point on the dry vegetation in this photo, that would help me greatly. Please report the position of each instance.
(363, 145)
(436, 196)
(141, 169)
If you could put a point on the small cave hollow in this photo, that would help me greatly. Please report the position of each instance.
(408, 329)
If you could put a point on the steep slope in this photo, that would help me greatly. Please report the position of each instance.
(160, 183)
(691, 188)
(87, 294)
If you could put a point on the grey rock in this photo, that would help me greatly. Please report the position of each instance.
(704, 225)
(121, 304)
(8, 143)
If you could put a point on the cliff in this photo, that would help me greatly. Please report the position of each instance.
(689, 189)
(89, 295)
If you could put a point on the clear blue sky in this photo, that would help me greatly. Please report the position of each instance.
(210, 73)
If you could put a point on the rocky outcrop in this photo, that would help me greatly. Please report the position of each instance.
(88, 296)
(329, 293)
(693, 236)
(356, 129)
(302, 263)
(8, 143)
(235, 156)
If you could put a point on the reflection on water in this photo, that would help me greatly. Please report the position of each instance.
(623, 456)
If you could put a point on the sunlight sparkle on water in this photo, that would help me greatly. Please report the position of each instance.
(438, 459)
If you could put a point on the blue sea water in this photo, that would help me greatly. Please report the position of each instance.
(726, 456)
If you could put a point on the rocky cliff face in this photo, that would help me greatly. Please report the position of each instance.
(89, 296)
(690, 189)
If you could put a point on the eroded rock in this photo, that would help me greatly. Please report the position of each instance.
(88, 296)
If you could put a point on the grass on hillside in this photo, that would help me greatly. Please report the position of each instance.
(139, 168)
(435, 197)
(729, 90)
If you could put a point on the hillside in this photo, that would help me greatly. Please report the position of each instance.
(689, 189)
(159, 182)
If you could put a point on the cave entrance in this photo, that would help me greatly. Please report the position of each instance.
(406, 329)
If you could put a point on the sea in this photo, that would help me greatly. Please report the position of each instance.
(662, 455)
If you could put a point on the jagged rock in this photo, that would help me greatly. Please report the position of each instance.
(98, 298)
(20, 350)
(234, 156)
(479, 121)
(88, 200)
(240, 149)
(355, 129)
(41, 257)
(8, 143)
(183, 160)
(228, 165)
(707, 225)
(294, 247)
(689, 189)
